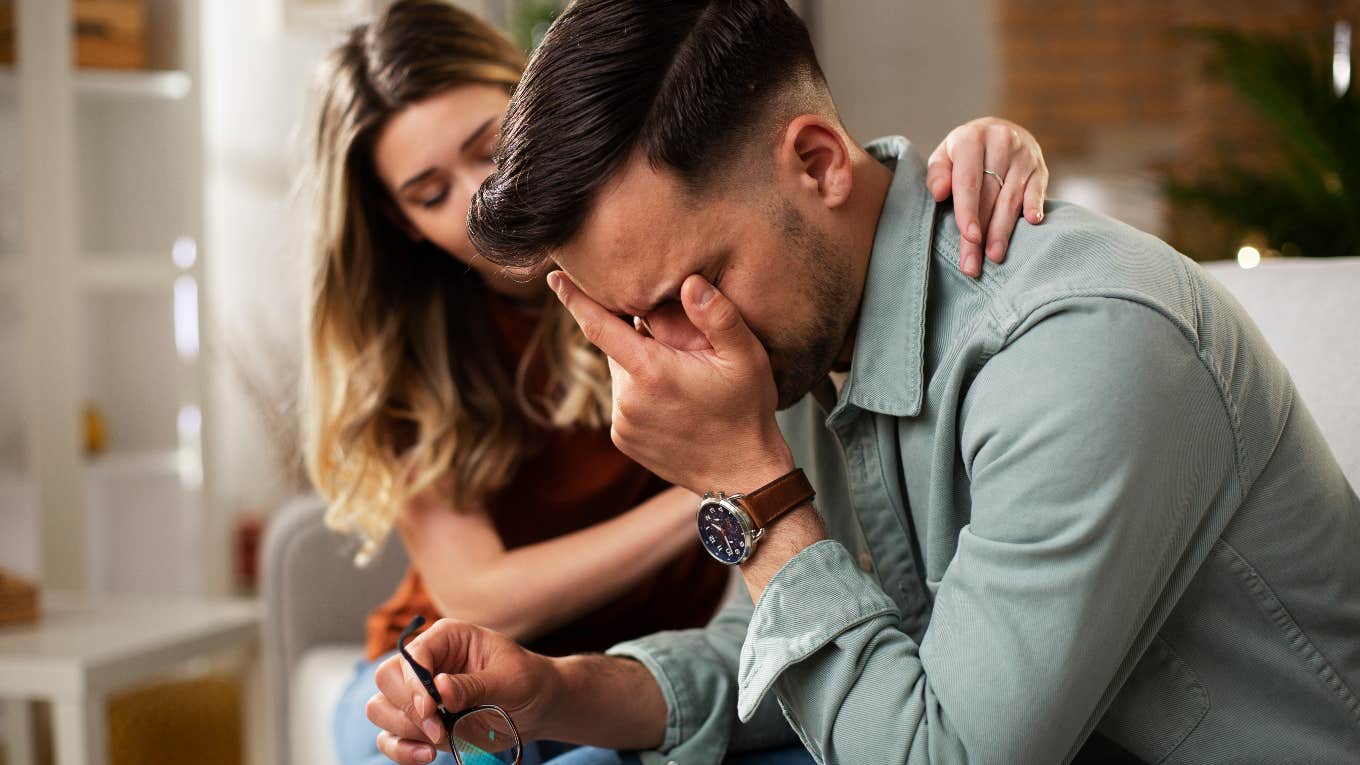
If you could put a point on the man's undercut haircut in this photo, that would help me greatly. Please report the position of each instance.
(683, 82)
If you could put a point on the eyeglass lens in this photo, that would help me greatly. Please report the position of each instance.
(485, 737)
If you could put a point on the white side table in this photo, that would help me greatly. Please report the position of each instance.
(82, 650)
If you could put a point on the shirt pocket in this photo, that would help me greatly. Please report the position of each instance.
(1159, 706)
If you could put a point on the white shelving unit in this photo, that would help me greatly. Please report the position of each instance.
(128, 271)
(168, 85)
(105, 281)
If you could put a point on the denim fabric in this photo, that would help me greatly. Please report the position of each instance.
(589, 755)
(356, 738)
(1079, 494)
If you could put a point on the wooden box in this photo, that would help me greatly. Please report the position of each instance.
(18, 600)
(6, 31)
(109, 34)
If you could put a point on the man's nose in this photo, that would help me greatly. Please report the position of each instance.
(669, 324)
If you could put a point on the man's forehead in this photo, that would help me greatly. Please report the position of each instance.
(622, 285)
(635, 239)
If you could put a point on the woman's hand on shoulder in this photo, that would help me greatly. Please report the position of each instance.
(995, 170)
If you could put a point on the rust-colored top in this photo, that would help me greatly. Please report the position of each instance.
(576, 480)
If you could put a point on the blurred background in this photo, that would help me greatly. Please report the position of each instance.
(152, 274)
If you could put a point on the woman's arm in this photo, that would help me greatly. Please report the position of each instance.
(527, 592)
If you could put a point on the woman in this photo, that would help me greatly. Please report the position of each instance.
(463, 407)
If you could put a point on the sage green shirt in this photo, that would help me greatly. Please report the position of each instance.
(1078, 494)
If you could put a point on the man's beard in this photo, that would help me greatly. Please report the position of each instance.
(801, 361)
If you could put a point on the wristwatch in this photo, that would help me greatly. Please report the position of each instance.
(729, 527)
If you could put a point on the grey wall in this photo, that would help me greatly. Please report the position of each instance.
(914, 67)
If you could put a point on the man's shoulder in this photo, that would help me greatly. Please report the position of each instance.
(1078, 254)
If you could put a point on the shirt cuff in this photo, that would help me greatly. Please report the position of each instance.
(656, 655)
(817, 595)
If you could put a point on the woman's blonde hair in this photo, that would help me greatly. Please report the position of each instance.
(404, 386)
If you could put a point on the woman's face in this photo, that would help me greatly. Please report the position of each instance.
(432, 156)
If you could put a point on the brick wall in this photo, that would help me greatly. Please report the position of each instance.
(1117, 82)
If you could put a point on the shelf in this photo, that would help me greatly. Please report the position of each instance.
(115, 84)
(123, 272)
(108, 272)
(164, 463)
(109, 83)
(132, 469)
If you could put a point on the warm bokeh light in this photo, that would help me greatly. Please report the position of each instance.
(1248, 257)
(1341, 58)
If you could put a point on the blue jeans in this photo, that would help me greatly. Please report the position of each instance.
(356, 739)
(589, 755)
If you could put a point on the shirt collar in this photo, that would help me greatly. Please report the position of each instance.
(887, 368)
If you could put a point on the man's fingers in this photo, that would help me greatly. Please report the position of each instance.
(463, 691)
(399, 684)
(404, 751)
(616, 337)
(422, 706)
(384, 714)
(669, 325)
(717, 317)
(967, 150)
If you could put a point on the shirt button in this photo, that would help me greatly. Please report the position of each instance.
(866, 561)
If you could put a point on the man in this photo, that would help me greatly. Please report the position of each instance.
(1076, 503)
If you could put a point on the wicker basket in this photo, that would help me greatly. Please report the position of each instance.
(186, 721)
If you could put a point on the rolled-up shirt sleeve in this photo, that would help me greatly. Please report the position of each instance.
(1097, 446)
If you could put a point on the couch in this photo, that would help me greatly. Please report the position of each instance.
(316, 599)
(316, 602)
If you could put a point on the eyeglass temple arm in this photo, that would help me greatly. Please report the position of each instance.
(422, 674)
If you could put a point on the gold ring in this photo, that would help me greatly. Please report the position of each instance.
(997, 177)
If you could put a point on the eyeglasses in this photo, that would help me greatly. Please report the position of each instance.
(482, 735)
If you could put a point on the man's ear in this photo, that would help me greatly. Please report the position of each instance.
(814, 155)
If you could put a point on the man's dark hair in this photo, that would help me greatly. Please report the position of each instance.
(684, 82)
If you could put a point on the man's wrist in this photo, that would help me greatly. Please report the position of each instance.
(606, 701)
(796, 531)
(773, 465)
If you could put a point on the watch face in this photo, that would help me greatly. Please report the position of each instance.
(722, 532)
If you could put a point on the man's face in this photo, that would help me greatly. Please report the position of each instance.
(645, 234)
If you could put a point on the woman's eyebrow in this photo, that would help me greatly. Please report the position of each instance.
(417, 178)
(477, 133)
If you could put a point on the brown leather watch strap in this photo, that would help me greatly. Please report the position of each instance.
(777, 497)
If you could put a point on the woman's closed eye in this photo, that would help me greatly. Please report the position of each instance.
(432, 200)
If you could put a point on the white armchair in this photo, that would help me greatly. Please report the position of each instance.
(1309, 311)
(316, 602)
